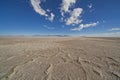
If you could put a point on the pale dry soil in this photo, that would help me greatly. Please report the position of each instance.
(59, 58)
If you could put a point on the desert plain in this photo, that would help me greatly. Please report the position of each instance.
(65, 58)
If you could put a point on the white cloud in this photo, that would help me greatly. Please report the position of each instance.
(104, 21)
(75, 14)
(66, 4)
(74, 18)
(51, 18)
(114, 29)
(41, 11)
(37, 7)
(48, 27)
(48, 10)
(63, 26)
(90, 6)
(82, 26)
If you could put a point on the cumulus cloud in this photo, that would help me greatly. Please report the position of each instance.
(66, 4)
(114, 29)
(74, 14)
(74, 18)
(51, 18)
(82, 26)
(41, 11)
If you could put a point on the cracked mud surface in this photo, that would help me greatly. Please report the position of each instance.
(59, 58)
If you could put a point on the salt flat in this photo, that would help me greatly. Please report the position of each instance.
(59, 58)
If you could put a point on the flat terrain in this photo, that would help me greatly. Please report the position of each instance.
(59, 58)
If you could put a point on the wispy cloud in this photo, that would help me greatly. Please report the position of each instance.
(48, 27)
(74, 18)
(36, 5)
(114, 29)
(51, 18)
(90, 6)
(82, 26)
(48, 10)
(74, 14)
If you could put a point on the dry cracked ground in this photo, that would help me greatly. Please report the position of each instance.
(59, 58)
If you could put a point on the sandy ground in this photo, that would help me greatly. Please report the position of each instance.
(59, 58)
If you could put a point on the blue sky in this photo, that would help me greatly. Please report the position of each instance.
(60, 17)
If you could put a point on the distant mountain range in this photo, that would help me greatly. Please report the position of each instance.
(38, 35)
